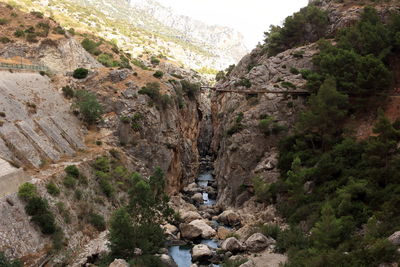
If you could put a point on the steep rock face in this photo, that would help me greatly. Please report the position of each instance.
(60, 56)
(248, 152)
(164, 136)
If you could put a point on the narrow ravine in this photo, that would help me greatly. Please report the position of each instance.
(206, 182)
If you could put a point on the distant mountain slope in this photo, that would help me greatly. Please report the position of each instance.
(145, 26)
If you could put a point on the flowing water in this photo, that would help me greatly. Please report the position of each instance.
(181, 254)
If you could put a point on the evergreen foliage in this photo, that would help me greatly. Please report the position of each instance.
(88, 105)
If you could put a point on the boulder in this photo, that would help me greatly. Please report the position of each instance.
(206, 230)
(189, 231)
(190, 216)
(119, 263)
(167, 261)
(118, 75)
(201, 252)
(192, 188)
(198, 198)
(395, 238)
(233, 245)
(170, 229)
(258, 242)
(229, 217)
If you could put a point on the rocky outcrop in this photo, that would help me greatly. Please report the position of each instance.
(249, 151)
(395, 238)
(201, 252)
(233, 245)
(229, 217)
(258, 242)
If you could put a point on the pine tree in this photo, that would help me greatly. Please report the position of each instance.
(327, 233)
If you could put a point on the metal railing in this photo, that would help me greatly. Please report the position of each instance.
(23, 67)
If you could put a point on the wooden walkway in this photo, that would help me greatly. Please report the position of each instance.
(12, 66)
(254, 92)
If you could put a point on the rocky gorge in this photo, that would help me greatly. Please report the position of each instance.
(214, 149)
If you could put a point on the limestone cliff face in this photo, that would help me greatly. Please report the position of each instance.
(249, 152)
(246, 152)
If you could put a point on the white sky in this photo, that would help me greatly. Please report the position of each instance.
(250, 17)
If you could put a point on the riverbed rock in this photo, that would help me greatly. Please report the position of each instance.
(190, 216)
(258, 242)
(206, 230)
(189, 231)
(395, 238)
(167, 261)
(192, 188)
(229, 217)
(201, 252)
(119, 263)
(170, 229)
(198, 198)
(233, 245)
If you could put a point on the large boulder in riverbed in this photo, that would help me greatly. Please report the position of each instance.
(201, 252)
(189, 216)
(167, 261)
(206, 230)
(229, 217)
(233, 245)
(189, 231)
(198, 198)
(258, 242)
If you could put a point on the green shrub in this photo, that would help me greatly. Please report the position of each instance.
(27, 191)
(271, 230)
(288, 85)
(102, 164)
(108, 61)
(19, 33)
(69, 181)
(190, 89)
(154, 60)
(52, 189)
(140, 64)
(38, 208)
(307, 25)
(237, 126)
(5, 40)
(4, 262)
(59, 30)
(31, 37)
(152, 90)
(158, 74)
(68, 92)
(91, 46)
(89, 107)
(97, 221)
(244, 82)
(294, 71)
(72, 170)
(80, 73)
(106, 187)
(37, 14)
(3, 21)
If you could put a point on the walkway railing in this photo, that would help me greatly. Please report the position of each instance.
(23, 67)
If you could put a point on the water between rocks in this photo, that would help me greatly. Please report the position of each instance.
(181, 254)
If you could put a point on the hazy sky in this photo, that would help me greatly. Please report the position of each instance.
(251, 17)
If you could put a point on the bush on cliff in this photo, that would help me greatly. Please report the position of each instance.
(80, 73)
(88, 106)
